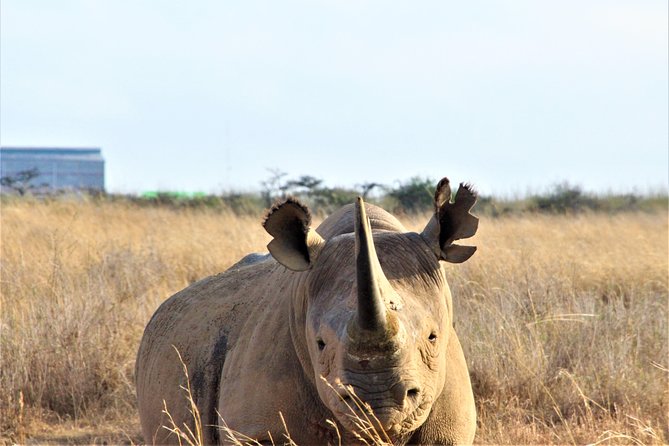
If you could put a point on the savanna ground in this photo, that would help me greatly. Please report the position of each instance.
(563, 318)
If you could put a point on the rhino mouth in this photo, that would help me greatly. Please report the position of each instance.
(388, 420)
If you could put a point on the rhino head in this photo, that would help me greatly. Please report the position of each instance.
(372, 309)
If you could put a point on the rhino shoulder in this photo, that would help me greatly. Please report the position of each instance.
(196, 322)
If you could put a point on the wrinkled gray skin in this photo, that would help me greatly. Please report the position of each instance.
(257, 338)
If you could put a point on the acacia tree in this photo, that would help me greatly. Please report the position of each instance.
(304, 185)
(366, 188)
(274, 187)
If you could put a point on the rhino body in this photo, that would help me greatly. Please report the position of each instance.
(257, 339)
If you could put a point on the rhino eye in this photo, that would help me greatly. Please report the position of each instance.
(433, 337)
(321, 344)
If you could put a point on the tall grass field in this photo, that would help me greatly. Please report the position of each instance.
(563, 318)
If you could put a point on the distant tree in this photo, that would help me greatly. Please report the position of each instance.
(415, 195)
(274, 187)
(565, 198)
(304, 185)
(328, 199)
(21, 182)
(366, 188)
(310, 190)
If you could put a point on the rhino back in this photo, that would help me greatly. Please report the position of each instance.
(342, 221)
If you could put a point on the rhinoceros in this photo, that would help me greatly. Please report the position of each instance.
(284, 342)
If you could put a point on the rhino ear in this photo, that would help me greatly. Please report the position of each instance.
(295, 244)
(451, 221)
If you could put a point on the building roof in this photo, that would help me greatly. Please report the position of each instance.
(88, 153)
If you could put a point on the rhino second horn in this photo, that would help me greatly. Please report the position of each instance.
(369, 275)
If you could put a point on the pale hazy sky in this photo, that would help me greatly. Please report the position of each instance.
(207, 95)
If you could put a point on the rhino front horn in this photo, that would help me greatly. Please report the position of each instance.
(369, 275)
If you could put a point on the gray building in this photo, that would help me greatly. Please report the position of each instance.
(58, 168)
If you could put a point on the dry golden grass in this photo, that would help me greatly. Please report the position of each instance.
(564, 324)
(563, 318)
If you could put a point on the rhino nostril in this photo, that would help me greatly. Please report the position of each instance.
(405, 393)
(413, 393)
